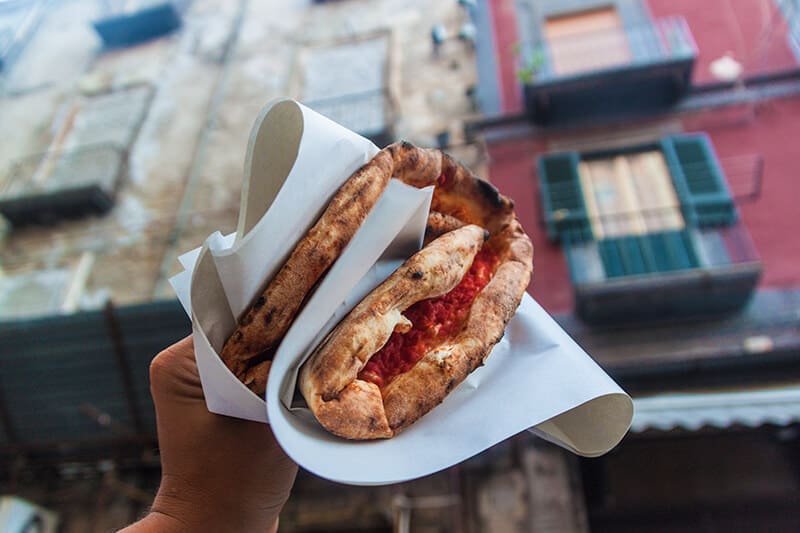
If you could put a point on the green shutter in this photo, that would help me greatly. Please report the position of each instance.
(699, 180)
(562, 198)
(665, 251)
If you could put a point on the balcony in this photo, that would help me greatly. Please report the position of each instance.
(665, 274)
(617, 72)
(86, 372)
(367, 113)
(62, 184)
(82, 168)
(652, 231)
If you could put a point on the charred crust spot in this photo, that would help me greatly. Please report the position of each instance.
(353, 198)
(450, 385)
(268, 316)
(247, 319)
(412, 159)
(486, 235)
(239, 335)
(258, 303)
(373, 423)
(417, 274)
(490, 193)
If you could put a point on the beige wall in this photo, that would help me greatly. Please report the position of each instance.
(185, 164)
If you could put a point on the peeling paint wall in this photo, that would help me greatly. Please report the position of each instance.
(207, 83)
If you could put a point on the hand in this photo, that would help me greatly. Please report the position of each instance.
(218, 473)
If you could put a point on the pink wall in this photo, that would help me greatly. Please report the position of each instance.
(736, 26)
(772, 130)
(512, 170)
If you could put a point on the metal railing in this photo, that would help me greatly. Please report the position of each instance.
(744, 175)
(367, 112)
(68, 356)
(653, 242)
(664, 39)
(47, 172)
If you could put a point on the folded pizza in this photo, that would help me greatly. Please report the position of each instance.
(419, 334)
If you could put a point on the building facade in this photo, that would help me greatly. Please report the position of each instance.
(648, 146)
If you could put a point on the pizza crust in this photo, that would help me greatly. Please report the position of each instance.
(328, 380)
(438, 224)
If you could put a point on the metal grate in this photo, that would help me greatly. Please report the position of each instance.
(366, 113)
(665, 39)
(94, 165)
(58, 372)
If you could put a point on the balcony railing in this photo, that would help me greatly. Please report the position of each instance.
(671, 270)
(609, 72)
(62, 183)
(368, 113)
(666, 39)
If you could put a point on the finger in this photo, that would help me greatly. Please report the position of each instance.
(174, 372)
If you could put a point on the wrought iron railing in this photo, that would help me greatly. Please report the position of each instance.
(652, 242)
(744, 177)
(60, 170)
(368, 113)
(664, 39)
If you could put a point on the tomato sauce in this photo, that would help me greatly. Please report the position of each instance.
(434, 320)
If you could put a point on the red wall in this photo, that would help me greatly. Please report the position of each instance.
(512, 170)
(771, 130)
(736, 26)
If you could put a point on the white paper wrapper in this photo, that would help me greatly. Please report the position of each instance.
(536, 378)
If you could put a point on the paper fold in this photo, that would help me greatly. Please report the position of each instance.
(536, 378)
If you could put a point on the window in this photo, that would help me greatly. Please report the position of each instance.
(639, 190)
(629, 194)
(638, 210)
(585, 41)
(646, 216)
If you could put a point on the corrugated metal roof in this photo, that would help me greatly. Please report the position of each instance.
(752, 408)
(52, 368)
